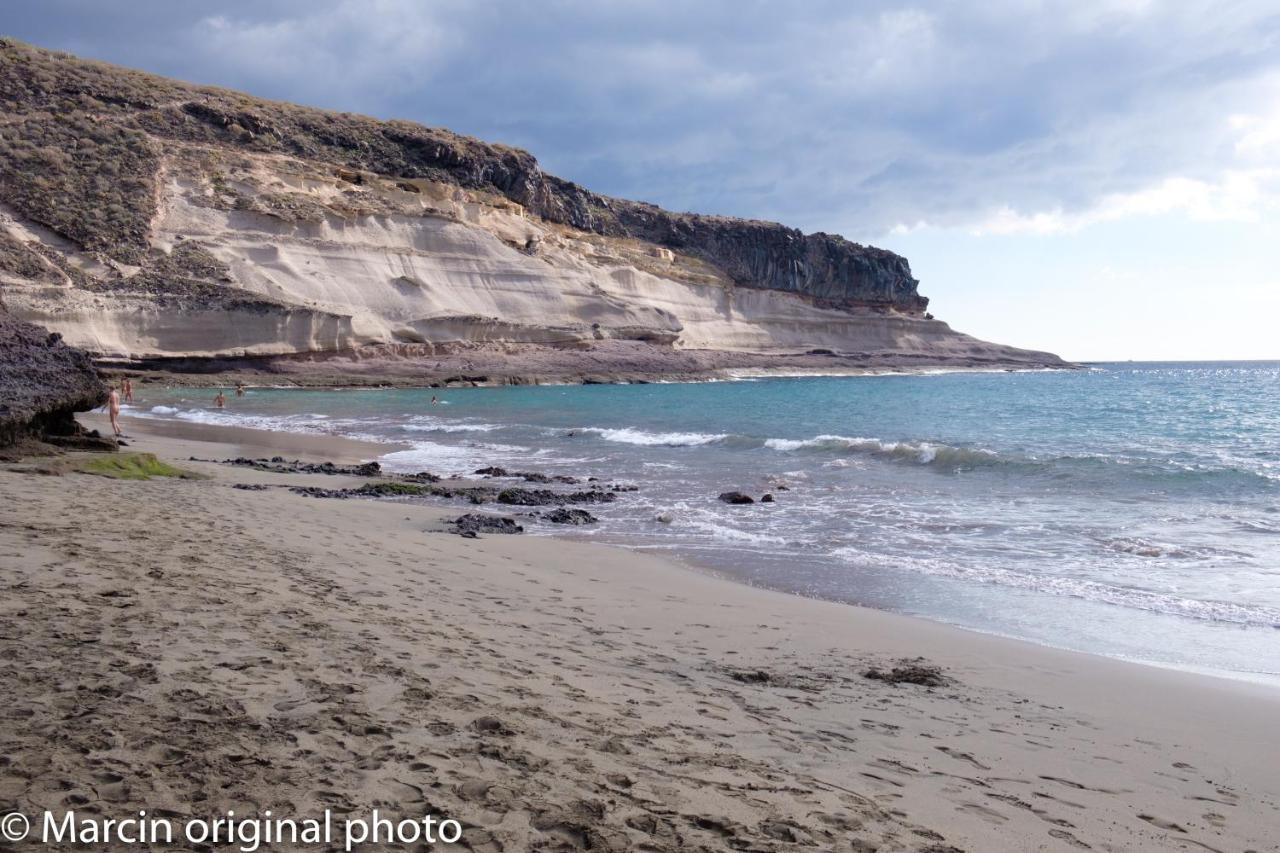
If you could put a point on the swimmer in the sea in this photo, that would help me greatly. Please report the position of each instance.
(221, 400)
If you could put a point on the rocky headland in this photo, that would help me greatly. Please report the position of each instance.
(162, 225)
(43, 383)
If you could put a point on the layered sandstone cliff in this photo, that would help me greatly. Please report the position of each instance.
(145, 218)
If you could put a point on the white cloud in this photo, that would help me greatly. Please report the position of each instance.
(1238, 196)
(349, 52)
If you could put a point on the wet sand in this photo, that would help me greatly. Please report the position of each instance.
(188, 647)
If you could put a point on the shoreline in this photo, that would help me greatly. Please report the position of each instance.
(248, 441)
(251, 441)
(549, 674)
(1265, 680)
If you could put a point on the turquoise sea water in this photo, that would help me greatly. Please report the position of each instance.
(1131, 510)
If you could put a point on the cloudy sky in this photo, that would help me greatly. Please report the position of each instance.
(1101, 179)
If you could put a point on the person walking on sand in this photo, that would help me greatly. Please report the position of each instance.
(127, 386)
(113, 412)
(221, 400)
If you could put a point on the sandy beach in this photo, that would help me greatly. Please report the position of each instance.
(188, 647)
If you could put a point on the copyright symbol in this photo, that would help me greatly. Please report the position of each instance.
(14, 827)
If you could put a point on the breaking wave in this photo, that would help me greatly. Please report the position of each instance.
(924, 453)
(627, 435)
(436, 425)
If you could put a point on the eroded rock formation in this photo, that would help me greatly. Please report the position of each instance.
(43, 383)
(146, 218)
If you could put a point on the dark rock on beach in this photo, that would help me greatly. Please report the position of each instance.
(43, 383)
(278, 465)
(736, 498)
(475, 523)
(547, 497)
(564, 515)
(527, 476)
(317, 492)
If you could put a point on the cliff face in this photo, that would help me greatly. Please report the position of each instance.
(144, 217)
(43, 383)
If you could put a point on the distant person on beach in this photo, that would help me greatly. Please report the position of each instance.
(113, 411)
(239, 389)
(221, 400)
(435, 401)
(127, 385)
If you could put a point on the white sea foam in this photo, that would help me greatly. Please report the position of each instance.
(626, 435)
(440, 458)
(306, 422)
(1140, 599)
(424, 424)
(733, 535)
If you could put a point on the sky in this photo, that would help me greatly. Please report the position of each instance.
(1097, 179)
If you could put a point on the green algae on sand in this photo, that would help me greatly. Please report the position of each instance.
(132, 466)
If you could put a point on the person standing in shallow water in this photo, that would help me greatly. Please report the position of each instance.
(113, 412)
(239, 389)
(127, 387)
(221, 400)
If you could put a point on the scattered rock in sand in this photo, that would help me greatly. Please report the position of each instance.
(564, 515)
(664, 518)
(736, 498)
(767, 499)
(909, 672)
(527, 476)
(277, 464)
(317, 492)
(475, 523)
(251, 487)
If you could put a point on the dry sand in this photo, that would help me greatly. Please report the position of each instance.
(188, 647)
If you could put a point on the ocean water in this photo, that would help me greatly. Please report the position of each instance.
(1131, 510)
